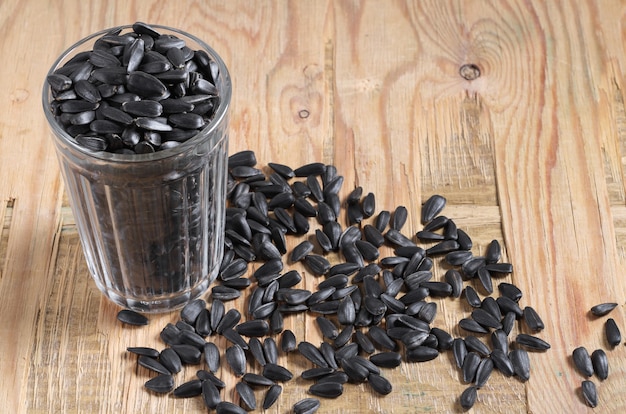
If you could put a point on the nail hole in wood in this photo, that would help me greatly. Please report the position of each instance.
(303, 114)
(469, 71)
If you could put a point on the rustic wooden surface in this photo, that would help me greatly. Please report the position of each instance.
(530, 153)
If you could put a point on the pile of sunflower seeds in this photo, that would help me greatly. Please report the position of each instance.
(597, 363)
(373, 312)
(136, 92)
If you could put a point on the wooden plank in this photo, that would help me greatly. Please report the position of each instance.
(530, 153)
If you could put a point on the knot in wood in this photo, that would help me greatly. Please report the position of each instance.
(469, 71)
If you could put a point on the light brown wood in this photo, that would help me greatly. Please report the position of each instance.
(530, 153)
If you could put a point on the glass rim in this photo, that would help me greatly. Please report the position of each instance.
(216, 121)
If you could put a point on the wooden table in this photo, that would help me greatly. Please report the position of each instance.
(529, 151)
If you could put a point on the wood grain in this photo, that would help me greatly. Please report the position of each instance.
(531, 153)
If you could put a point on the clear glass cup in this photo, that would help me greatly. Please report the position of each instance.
(151, 225)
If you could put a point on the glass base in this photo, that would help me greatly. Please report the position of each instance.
(157, 304)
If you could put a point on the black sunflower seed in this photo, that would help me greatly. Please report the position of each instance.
(500, 340)
(486, 319)
(170, 360)
(235, 338)
(476, 345)
(502, 362)
(603, 308)
(398, 239)
(152, 364)
(271, 396)
(468, 397)
(582, 361)
(246, 157)
(485, 368)
(212, 356)
(327, 327)
(301, 250)
(225, 293)
(130, 317)
(590, 393)
(472, 326)
(317, 264)
(521, 363)
(246, 395)
(387, 359)
(276, 372)
(253, 328)
(225, 407)
(163, 383)
(326, 389)
(421, 354)
(373, 236)
(472, 297)
(612, 332)
(499, 268)
(317, 372)
(189, 389)
(228, 321)
(508, 305)
(312, 353)
(458, 257)
(484, 276)
(188, 354)
(315, 168)
(459, 350)
(270, 348)
(142, 350)
(210, 395)
(600, 364)
(470, 365)
(306, 406)
(236, 359)
(532, 342)
(432, 207)
(508, 322)
(532, 319)
(454, 279)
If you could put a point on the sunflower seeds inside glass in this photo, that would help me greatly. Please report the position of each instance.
(603, 308)
(600, 364)
(590, 393)
(612, 332)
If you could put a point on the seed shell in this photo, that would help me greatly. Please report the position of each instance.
(326, 389)
(246, 395)
(600, 364)
(532, 342)
(521, 363)
(612, 332)
(582, 361)
(590, 393)
(432, 207)
(210, 395)
(603, 308)
(225, 407)
(152, 364)
(236, 359)
(468, 397)
(189, 389)
(130, 317)
(306, 406)
(276, 372)
(271, 396)
(163, 383)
